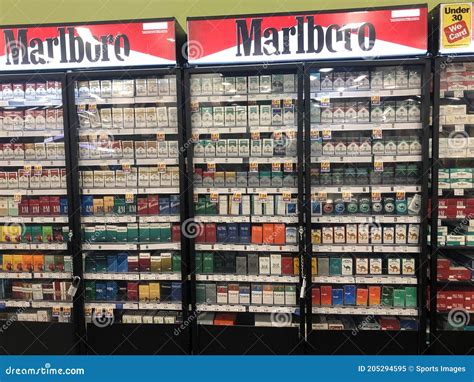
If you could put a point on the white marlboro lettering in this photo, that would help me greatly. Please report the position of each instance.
(253, 41)
(77, 45)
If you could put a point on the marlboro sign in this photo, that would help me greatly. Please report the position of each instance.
(308, 36)
(95, 45)
(456, 28)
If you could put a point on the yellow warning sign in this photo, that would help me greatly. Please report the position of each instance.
(456, 25)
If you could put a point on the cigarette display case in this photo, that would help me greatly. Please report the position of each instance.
(452, 252)
(127, 135)
(246, 130)
(36, 261)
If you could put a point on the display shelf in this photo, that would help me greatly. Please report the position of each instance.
(110, 247)
(368, 93)
(155, 246)
(272, 129)
(247, 278)
(33, 192)
(32, 163)
(159, 306)
(127, 131)
(222, 219)
(366, 189)
(125, 100)
(366, 248)
(367, 126)
(258, 160)
(246, 247)
(365, 219)
(52, 275)
(372, 279)
(109, 219)
(15, 275)
(242, 97)
(132, 191)
(34, 246)
(221, 130)
(30, 133)
(366, 159)
(379, 311)
(21, 102)
(159, 219)
(33, 219)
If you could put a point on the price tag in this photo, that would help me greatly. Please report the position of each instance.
(195, 137)
(325, 101)
(237, 197)
(195, 197)
(346, 196)
(253, 166)
(160, 137)
(27, 168)
(376, 196)
(276, 103)
(378, 165)
(214, 137)
(56, 311)
(211, 167)
(126, 167)
(286, 196)
(323, 196)
(67, 311)
(377, 133)
(38, 168)
(291, 134)
(255, 136)
(214, 197)
(288, 167)
(314, 135)
(458, 192)
(277, 135)
(325, 166)
(315, 196)
(263, 196)
(327, 134)
(17, 198)
(400, 195)
(109, 312)
(375, 100)
(129, 198)
(276, 166)
(161, 167)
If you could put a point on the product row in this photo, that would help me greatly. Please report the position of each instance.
(245, 294)
(30, 206)
(251, 115)
(20, 233)
(448, 300)
(132, 233)
(455, 177)
(400, 174)
(34, 179)
(140, 87)
(91, 117)
(123, 262)
(31, 119)
(348, 266)
(460, 235)
(350, 295)
(217, 84)
(357, 145)
(141, 177)
(243, 179)
(386, 111)
(282, 145)
(35, 263)
(149, 317)
(457, 76)
(367, 234)
(36, 291)
(119, 206)
(249, 264)
(388, 77)
(31, 91)
(460, 270)
(32, 151)
(133, 291)
(246, 233)
(359, 205)
(356, 324)
(248, 205)
(103, 149)
(459, 145)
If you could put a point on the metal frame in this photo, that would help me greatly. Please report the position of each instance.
(424, 62)
(457, 342)
(297, 69)
(74, 165)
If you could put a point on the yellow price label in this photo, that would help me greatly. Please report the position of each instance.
(237, 197)
(253, 167)
(376, 196)
(325, 166)
(195, 137)
(129, 197)
(214, 137)
(314, 134)
(17, 198)
(323, 196)
(263, 196)
(56, 311)
(214, 197)
(401, 195)
(38, 168)
(286, 196)
(161, 167)
(126, 167)
(375, 100)
(160, 137)
(211, 167)
(346, 196)
(255, 135)
(327, 134)
(27, 168)
(378, 165)
(377, 133)
(288, 166)
(276, 166)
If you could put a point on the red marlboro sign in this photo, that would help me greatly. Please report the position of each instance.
(308, 36)
(95, 45)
